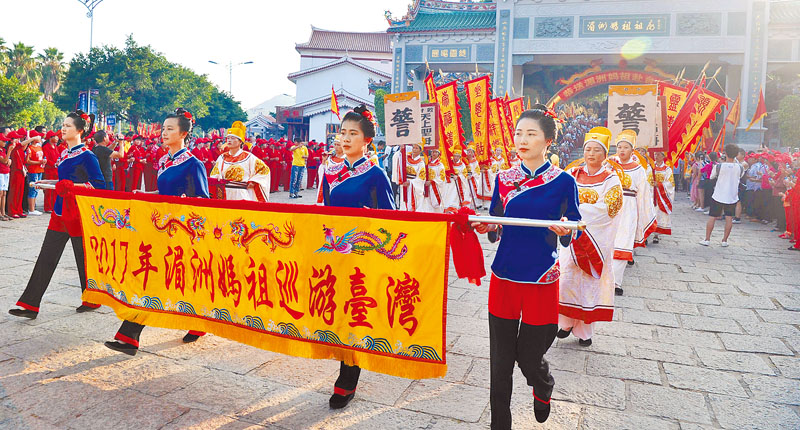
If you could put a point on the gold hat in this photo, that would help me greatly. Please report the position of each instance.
(238, 129)
(599, 135)
(457, 150)
(627, 136)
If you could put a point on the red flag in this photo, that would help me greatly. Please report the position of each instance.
(761, 111)
(335, 103)
(735, 113)
(719, 144)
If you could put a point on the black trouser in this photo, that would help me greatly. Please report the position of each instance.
(511, 341)
(779, 213)
(761, 204)
(129, 333)
(348, 377)
(49, 256)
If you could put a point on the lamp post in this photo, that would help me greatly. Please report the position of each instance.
(230, 67)
(90, 5)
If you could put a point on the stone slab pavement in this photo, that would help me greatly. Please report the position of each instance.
(704, 338)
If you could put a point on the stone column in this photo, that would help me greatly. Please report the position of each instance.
(502, 62)
(754, 72)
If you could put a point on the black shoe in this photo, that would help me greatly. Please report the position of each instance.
(563, 334)
(791, 248)
(189, 338)
(23, 313)
(339, 401)
(84, 308)
(587, 342)
(541, 410)
(631, 263)
(655, 240)
(122, 347)
(298, 196)
(617, 291)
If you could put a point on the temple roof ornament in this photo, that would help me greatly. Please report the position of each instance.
(425, 15)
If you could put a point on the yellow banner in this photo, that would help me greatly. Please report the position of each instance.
(505, 125)
(675, 97)
(447, 97)
(363, 286)
(516, 107)
(496, 129)
(444, 149)
(478, 96)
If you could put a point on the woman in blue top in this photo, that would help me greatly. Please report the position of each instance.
(358, 182)
(180, 174)
(525, 270)
(77, 167)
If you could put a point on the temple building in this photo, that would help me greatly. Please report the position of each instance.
(539, 48)
(345, 61)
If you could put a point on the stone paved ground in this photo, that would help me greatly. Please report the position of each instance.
(704, 338)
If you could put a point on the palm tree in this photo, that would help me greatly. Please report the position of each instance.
(23, 66)
(3, 56)
(52, 69)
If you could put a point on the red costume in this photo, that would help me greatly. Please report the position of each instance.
(51, 154)
(16, 185)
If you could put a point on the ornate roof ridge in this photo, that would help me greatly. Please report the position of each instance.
(440, 6)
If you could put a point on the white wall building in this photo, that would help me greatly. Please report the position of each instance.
(340, 60)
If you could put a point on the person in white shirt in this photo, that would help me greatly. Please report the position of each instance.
(726, 194)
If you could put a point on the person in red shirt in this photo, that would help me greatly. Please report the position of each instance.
(136, 159)
(274, 163)
(255, 149)
(200, 153)
(16, 185)
(286, 159)
(5, 170)
(121, 164)
(34, 163)
(314, 160)
(51, 154)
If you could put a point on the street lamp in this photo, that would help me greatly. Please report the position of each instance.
(90, 5)
(230, 71)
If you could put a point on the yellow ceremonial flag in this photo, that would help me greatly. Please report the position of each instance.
(761, 111)
(447, 97)
(496, 129)
(516, 107)
(478, 96)
(335, 103)
(444, 149)
(675, 98)
(363, 286)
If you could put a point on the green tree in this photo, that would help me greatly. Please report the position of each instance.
(788, 113)
(139, 85)
(3, 56)
(23, 66)
(52, 67)
(223, 110)
(380, 114)
(42, 113)
(14, 98)
(466, 119)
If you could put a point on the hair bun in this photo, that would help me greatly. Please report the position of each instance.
(539, 106)
(360, 109)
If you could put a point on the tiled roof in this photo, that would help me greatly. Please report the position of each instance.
(294, 76)
(443, 21)
(787, 12)
(347, 41)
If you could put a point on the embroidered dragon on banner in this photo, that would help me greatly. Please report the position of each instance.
(360, 242)
(194, 225)
(243, 235)
(119, 220)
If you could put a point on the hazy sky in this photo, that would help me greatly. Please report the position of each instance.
(195, 31)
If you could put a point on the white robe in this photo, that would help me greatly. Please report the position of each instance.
(664, 197)
(588, 297)
(243, 167)
(461, 171)
(637, 219)
(412, 199)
